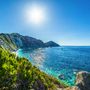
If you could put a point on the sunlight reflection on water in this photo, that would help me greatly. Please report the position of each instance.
(55, 61)
(38, 58)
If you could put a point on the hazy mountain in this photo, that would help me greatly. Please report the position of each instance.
(51, 44)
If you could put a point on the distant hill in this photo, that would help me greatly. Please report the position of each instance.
(16, 41)
(51, 44)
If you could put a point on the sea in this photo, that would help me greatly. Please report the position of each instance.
(66, 61)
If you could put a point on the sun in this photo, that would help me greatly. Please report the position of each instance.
(35, 15)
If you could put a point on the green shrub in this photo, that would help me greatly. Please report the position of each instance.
(13, 68)
(46, 85)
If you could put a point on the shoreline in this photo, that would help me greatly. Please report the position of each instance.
(15, 52)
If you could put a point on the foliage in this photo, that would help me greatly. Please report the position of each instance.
(14, 69)
(8, 41)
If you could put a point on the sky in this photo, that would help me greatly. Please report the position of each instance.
(67, 22)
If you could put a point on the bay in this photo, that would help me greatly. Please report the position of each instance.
(65, 60)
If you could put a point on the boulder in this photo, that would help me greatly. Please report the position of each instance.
(82, 81)
(75, 88)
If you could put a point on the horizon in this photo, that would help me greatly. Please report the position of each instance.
(64, 22)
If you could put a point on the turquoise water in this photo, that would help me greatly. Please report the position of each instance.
(63, 60)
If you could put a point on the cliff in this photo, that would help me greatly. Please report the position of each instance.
(15, 41)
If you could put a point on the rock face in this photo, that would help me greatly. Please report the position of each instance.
(16, 41)
(27, 42)
(82, 81)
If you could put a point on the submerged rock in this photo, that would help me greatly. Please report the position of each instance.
(75, 71)
(60, 76)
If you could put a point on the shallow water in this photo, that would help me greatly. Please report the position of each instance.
(65, 60)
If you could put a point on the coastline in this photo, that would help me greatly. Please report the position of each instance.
(69, 77)
(62, 88)
(15, 52)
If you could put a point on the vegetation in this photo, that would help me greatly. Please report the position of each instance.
(18, 73)
(8, 41)
(15, 41)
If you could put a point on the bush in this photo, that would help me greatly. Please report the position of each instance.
(46, 85)
(13, 69)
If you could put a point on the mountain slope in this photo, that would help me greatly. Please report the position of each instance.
(15, 41)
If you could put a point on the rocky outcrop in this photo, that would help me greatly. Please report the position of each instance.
(82, 81)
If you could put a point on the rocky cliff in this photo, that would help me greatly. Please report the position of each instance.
(14, 41)
(82, 81)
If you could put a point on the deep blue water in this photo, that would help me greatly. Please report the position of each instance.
(63, 60)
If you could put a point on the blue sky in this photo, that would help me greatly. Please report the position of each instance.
(67, 22)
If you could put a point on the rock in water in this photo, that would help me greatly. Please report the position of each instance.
(60, 75)
(82, 81)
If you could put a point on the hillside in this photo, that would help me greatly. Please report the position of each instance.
(51, 44)
(16, 41)
(17, 73)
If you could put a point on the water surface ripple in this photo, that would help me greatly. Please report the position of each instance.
(65, 60)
